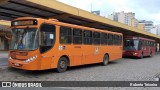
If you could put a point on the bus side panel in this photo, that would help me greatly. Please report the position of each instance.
(66, 50)
(46, 62)
(50, 58)
(88, 53)
(96, 56)
(115, 52)
(110, 52)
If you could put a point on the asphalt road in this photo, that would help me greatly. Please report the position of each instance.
(126, 69)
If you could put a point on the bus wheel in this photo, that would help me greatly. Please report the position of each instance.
(141, 56)
(105, 60)
(150, 54)
(62, 65)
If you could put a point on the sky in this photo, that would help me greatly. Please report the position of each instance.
(143, 9)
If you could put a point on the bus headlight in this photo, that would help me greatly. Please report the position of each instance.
(31, 59)
(135, 53)
(10, 58)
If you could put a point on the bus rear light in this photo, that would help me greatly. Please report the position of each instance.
(31, 59)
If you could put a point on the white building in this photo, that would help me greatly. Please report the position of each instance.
(148, 25)
(156, 30)
(126, 18)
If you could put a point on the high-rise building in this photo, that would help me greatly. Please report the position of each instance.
(156, 30)
(96, 12)
(126, 18)
(148, 25)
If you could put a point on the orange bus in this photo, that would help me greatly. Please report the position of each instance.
(39, 44)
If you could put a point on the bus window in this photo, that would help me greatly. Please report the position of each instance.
(24, 39)
(116, 40)
(87, 37)
(65, 35)
(96, 36)
(140, 45)
(110, 41)
(131, 44)
(77, 36)
(120, 40)
(47, 37)
(102, 39)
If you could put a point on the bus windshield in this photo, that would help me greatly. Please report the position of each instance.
(24, 39)
(131, 44)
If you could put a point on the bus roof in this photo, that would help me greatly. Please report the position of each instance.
(133, 37)
(55, 21)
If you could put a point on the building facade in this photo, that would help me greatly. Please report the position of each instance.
(156, 30)
(126, 18)
(148, 25)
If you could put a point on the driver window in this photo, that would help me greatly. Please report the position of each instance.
(47, 37)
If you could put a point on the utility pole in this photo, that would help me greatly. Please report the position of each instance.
(91, 6)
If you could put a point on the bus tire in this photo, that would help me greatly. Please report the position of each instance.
(105, 60)
(62, 65)
(142, 55)
(150, 55)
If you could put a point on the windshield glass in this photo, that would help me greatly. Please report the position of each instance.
(131, 44)
(24, 39)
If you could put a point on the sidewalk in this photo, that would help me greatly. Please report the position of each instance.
(3, 58)
(157, 52)
(3, 54)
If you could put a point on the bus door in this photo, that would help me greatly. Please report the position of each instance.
(47, 40)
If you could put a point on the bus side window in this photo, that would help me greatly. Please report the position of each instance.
(106, 39)
(152, 44)
(120, 40)
(87, 37)
(102, 39)
(144, 43)
(110, 41)
(47, 37)
(77, 36)
(65, 35)
(116, 40)
(140, 45)
(96, 38)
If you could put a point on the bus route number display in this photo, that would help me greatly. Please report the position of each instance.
(24, 22)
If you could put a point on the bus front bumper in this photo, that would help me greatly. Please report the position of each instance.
(22, 65)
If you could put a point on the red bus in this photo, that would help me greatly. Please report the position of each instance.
(138, 47)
